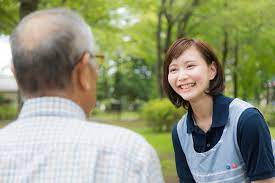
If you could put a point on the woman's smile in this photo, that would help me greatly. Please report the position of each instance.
(186, 87)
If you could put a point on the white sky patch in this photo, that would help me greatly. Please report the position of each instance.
(126, 38)
(112, 70)
(122, 17)
(5, 56)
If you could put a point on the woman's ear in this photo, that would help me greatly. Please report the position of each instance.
(212, 70)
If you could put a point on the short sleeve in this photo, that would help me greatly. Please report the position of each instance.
(255, 144)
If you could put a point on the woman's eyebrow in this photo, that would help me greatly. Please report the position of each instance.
(172, 64)
(189, 61)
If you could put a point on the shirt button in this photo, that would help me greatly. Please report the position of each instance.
(208, 145)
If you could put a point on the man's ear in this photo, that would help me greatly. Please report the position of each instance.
(12, 69)
(83, 72)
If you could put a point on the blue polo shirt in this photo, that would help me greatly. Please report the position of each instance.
(253, 138)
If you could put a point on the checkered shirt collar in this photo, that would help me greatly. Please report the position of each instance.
(51, 106)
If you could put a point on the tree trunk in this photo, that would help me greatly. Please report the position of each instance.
(257, 96)
(181, 32)
(183, 21)
(27, 6)
(159, 50)
(267, 94)
(224, 48)
(168, 36)
(225, 41)
(235, 72)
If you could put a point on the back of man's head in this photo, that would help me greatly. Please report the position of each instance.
(45, 47)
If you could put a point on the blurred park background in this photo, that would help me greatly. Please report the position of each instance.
(133, 36)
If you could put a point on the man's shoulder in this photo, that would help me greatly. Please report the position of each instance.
(113, 136)
(72, 129)
(120, 141)
(112, 131)
(73, 133)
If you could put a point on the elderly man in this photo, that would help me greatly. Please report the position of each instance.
(51, 141)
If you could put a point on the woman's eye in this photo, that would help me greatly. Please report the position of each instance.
(172, 70)
(190, 66)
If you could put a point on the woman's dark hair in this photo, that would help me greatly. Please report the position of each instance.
(216, 85)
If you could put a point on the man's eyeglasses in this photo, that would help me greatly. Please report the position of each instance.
(99, 58)
(95, 59)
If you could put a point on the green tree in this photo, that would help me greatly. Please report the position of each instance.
(241, 32)
(9, 15)
(132, 80)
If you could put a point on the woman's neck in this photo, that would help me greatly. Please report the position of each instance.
(202, 112)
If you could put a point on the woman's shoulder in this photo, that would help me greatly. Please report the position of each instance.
(174, 130)
(249, 108)
(180, 122)
(251, 121)
(241, 102)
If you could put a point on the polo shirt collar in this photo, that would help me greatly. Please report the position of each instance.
(51, 106)
(219, 116)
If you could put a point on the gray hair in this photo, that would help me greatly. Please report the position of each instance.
(45, 47)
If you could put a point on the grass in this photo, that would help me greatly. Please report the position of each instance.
(116, 117)
(272, 131)
(3, 123)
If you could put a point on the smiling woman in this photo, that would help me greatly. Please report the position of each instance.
(217, 140)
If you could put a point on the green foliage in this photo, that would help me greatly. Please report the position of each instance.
(8, 112)
(120, 119)
(2, 99)
(126, 34)
(243, 21)
(268, 112)
(107, 103)
(9, 15)
(132, 80)
(161, 114)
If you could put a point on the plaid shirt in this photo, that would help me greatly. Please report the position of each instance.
(52, 142)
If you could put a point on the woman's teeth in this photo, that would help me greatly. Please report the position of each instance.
(186, 86)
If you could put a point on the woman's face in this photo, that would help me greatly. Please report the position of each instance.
(189, 75)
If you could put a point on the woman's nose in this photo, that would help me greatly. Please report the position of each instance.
(182, 75)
